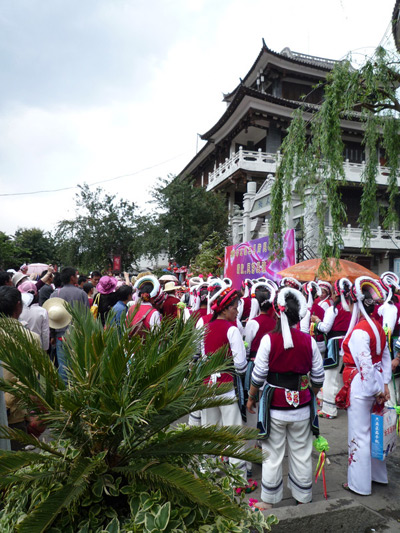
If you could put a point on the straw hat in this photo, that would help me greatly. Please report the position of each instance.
(58, 315)
(170, 287)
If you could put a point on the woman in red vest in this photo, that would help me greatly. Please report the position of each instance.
(366, 376)
(285, 359)
(221, 331)
(147, 316)
(334, 325)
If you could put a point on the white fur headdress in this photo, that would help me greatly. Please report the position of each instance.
(149, 279)
(290, 282)
(255, 306)
(308, 289)
(281, 309)
(377, 293)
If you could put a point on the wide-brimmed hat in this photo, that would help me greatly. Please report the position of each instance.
(106, 285)
(27, 286)
(170, 287)
(58, 315)
(18, 277)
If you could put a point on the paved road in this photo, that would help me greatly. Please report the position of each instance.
(343, 511)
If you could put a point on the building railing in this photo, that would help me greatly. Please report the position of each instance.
(259, 161)
(380, 238)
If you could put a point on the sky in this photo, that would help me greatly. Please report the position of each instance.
(97, 89)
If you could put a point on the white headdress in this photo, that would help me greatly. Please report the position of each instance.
(255, 306)
(281, 309)
(290, 282)
(308, 289)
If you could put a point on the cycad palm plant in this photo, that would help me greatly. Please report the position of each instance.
(113, 449)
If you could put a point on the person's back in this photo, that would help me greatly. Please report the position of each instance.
(69, 292)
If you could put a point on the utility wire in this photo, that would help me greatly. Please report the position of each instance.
(95, 182)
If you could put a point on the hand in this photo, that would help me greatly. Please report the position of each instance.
(395, 364)
(387, 393)
(50, 269)
(380, 398)
(251, 404)
(314, 318)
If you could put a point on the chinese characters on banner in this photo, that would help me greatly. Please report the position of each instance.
(253, 259)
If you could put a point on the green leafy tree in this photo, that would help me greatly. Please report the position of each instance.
(313, 151)
(211, 256)
(115, 462)
(34, 245)
(9, 253)
(104, 226)
(188, 215)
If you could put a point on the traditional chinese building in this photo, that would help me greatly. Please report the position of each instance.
(241, 155)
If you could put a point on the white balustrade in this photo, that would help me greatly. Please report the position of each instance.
(259, 161)
(380, 238)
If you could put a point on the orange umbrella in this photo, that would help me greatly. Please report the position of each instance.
(308, 270)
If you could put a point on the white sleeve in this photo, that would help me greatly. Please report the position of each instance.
(238, 349)
(329, 318)
(240, 327)
(45, 331)
(261, 363)
(155, 320)
(371, 378)
(240, 309)
(305, 322)
(386, 365)
(317, 374)
(250, 331)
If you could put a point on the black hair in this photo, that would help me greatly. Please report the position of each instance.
(262, 295)
(95, 273)
(203, 295)
(9, 299)
(123, 293)
(66, 274)
(146, 287)
(292, 312)
(5, 277)
(57, 280)
(82, 279)
(87, 287)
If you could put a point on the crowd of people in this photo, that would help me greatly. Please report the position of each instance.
(294, 347)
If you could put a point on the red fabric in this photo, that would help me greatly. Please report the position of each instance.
(397, 327)
(297, 359)
(266, 324)
(364, 326)
(143, 309)
(207, 318)
(216, 337)
(319, 312)
(246, 307)
(342, 320)
(169, 307)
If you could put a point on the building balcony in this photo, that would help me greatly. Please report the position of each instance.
(380, 239)
(248, 160)
(263, 162)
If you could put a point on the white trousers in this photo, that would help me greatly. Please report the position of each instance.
(195, 418)
(251, 423)
(363, 469)
(225, 415)
(333, 382)
(299, 440)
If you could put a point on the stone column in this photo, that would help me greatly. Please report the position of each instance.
(247, 197)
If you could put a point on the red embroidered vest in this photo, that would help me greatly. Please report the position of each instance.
(266, 324)
(297, 360)
(143, 309)
(364, 326)
(217, 336)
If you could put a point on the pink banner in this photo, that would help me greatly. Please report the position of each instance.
(252, 260)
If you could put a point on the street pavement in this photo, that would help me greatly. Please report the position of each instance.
(342, 511)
